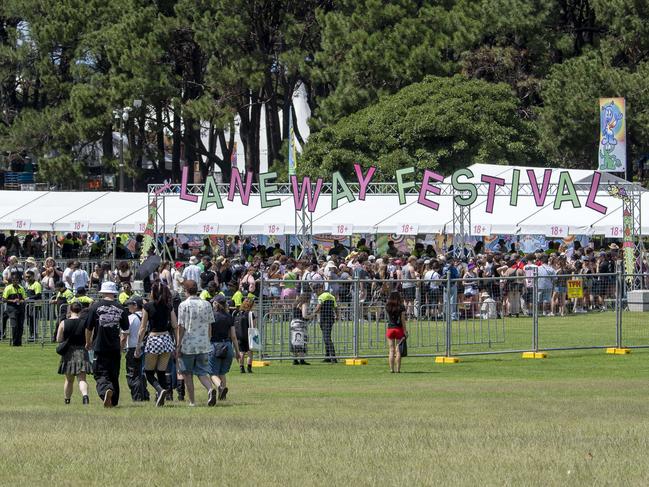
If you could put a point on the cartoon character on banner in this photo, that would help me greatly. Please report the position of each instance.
(611, 123)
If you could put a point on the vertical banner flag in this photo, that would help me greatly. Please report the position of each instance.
(233, 155)
(627, 245)
(292, 160)
(612, 135)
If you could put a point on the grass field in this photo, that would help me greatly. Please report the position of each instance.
(576, 418)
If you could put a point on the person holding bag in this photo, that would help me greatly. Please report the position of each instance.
(223, 339)
(396, 331)
(75, 361)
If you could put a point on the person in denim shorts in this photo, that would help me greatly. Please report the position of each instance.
(195, 319)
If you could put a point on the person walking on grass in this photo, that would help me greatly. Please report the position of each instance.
(195, 319)
(223, 346)
(244, 318)
(103, 324)
(75, 362)
(328, 311)
(396, 330)
(159, 319)
(134, 376)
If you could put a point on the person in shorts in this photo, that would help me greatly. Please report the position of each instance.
(195, 320)
(224, 345)
(396, 329)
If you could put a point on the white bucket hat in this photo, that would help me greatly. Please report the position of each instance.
(108, 288)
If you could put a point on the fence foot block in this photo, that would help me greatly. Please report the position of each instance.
(535, 355)
(618, 351)
(356, 361)
(260, 363)
(446, 360)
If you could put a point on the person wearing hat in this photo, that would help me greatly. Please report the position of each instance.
(177, 277)
(31, 265)
(192, 272)
(103, 324)
(129, 340)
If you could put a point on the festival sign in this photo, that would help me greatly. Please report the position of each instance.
(612, 140)
(306, 194)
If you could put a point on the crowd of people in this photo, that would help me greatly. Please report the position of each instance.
(193, 317)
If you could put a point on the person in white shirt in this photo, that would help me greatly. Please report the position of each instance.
(192, 272)
(79, 277)
(67, 275)
(134, 376)
(177, 277)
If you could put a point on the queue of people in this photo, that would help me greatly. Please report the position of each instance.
(193, 317)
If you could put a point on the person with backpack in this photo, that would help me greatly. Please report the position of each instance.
(244, 318)
(134, 376)
(298, 329)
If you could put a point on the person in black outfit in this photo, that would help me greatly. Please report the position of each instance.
(14, 296)
(223, 339)
(158, 319)
(75, 362)
(134, 371)
(105, 319)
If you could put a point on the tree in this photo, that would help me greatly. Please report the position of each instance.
(569, 120)
(372, 48)
(440, 123)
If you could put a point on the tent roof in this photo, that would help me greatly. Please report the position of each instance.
(128, 212)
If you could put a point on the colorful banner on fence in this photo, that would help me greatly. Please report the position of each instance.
(612, 135)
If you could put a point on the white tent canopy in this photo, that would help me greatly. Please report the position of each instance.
(379, 213)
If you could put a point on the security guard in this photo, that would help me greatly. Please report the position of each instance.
(14, 295)
(328, 310)
(34, 293)
(211, 291)
(82, 299)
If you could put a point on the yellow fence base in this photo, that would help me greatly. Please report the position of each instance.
(356, 361)
(446, 360)
(260, 363)
(535, 355)
(618, 351)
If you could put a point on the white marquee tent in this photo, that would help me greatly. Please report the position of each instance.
(380, 214)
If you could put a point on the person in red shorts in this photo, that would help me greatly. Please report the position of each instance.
(396, 330)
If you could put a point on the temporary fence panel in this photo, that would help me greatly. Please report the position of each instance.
(577, 311)
(458, 317)
(634, 312)
(38, 319)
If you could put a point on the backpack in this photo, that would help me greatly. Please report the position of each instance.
(299, 336)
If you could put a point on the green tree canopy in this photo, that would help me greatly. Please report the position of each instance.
(441, 123)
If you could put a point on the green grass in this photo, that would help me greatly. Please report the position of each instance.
(576, 418)
(472, 336)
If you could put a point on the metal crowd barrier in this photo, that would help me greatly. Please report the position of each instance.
(40, 320)
(458, 317)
